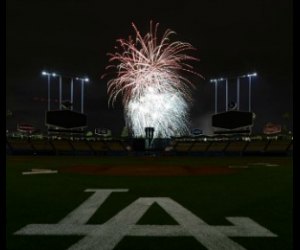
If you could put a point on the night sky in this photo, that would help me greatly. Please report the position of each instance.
(73, 37)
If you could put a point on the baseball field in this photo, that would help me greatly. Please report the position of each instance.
(149, 203)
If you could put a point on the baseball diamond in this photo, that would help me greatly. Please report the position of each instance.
(168, 203)
(108, 235)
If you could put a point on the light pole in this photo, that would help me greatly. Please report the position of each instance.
(83, 80)
(226, 80)
(216, 92)
(45, 73)
(238, 93)
(72, 93)
(249, 89)
(60, 91)
(250, 81)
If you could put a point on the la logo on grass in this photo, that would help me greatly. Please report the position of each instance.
(106, 236)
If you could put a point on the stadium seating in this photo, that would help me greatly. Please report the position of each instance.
(256, 146)
(82, 147)
(183, 146)
(236, 147)
(280, 146)
(217, 146)
(62, 146)
(42, 147)
(98, 147)
(20, 146)
(116, 147)
(119, 147)
(199, 146)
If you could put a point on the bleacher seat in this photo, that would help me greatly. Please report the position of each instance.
(62, 146)
(42, 146)
(98, 146)
(256, 146)
(278, 146)
(116, 146)
(217, 146)
(236, 146)
(183, 146)
(81, 146)
(20, 145)
(199, 146)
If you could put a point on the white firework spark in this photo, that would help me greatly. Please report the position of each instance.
(155, 93)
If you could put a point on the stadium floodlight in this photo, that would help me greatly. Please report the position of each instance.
(250, 80)
(216, 94)
(45, 73)
(238, 93)
(216, 80)
(54, 74)
(83, 80)
(249, 76)
(72, 88)
(226, 100)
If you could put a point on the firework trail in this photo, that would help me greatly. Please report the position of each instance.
(150, 76)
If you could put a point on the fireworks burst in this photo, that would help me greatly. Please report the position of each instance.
(150, 78)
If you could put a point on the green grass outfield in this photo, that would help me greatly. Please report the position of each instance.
(263, 193)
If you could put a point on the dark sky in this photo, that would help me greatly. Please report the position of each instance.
(73, 37)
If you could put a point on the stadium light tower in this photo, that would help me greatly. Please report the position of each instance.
(45, 73)
(216, 92)
(250, 80)
(60, 91)
(238, 93)
(83, 80)
(72, 92)
(226, 100)
(249, 76)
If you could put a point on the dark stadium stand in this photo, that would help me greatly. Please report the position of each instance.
(62, 147)
(217, 147)
(200, 146)
(183, 146)
(278, 146)
(175, 147)
(236, 147)
(42, 147)
(82, 147)
(257, 147)
(116, 147)
(20, 146)
(98, 147)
